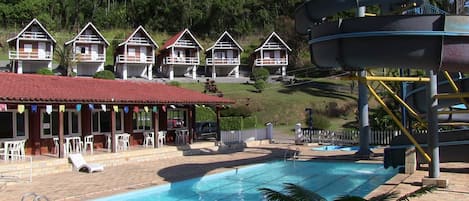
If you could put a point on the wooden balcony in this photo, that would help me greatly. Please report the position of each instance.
(181, 60)
(139, 40)
(273, 45)
(15, 55)
(225, 45)
(186, 43)
(135, 59)
(90, 58)
(223, 61)
(271, 62)
(34, 35)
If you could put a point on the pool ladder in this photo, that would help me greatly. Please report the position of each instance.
(294, 156)
(35, 196)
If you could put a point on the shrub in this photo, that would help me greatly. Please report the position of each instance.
(231, 123)
(105, 74)
(45, 71)
(249, 122)
(260, 74)
(240, 111)
(259, 85)
(321, 122)
(174, 83)
(205, 114)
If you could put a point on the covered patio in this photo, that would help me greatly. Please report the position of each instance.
(55, 115)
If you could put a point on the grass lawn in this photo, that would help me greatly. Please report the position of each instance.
(284, 106)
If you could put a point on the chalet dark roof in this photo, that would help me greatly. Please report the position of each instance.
(34, 21)
(33, 88)
(272, 35)
(226, 34)
(83, 30)
(139, 28)
(172, 41)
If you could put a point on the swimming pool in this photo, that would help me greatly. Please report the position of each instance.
(329, 179)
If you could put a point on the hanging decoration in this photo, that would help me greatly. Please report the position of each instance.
(49, 109)
(116, 108)
(126, 109)
(145, 108)
(103, 107)
(155, 109)
(91, 106)
(136, 109)
(3, 107)
(61, 108)
(20, 108)
(163, 108)
(34, 108)
(78, 107)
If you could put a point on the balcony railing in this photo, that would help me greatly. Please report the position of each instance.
(226, 45)
(273, 45)
(134, 59)
(271, 62)
(222, 61)
(89, 38)
(139, 40)
(90, 58)
(181, 60)
(29, 55)
(34, 35)
(186, 43)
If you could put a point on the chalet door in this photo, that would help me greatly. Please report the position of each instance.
(143, 54)
(41, 50)
(94, 52)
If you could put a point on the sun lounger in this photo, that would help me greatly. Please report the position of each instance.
(80, 164)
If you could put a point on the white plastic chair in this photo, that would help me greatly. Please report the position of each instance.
(14, 150)
(148, 139)
(161, 138)
(123, 141)
(88, 143)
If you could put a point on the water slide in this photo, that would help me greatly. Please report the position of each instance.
(437, 42)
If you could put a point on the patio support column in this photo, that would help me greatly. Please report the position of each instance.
(191, 124)
(218, 123)
(61, 135)
(150, 72)
(113, 131)
(171, 72)
(237, 72)
(155, 128)
(124, 71)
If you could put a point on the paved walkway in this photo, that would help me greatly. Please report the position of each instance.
(83, 186)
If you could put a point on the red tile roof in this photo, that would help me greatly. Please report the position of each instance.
(29, 88)
(172, 40)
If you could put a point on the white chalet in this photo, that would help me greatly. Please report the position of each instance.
(272, 54)
(31, 49)
(88, 50)
(224, 56)
(136, 55)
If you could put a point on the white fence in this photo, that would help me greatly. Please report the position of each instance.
(236, 137)
(349, 137)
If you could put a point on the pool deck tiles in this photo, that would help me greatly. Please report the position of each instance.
(137, 175)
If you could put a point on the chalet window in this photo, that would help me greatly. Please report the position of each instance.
(83, 50)
(101, 122)
(28, 47)
(177, 119)
(50, 123)
(13, 125)
(142, 121)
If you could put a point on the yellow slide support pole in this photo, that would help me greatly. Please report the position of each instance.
(399, 124)
(454, 86)
(399, 99)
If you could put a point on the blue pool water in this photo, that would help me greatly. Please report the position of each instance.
(329, 179)
(337, 148)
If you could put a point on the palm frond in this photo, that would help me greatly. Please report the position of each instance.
(419, 192)
(385, 196)
(273, 195)
(349, 198)
(300, 193)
